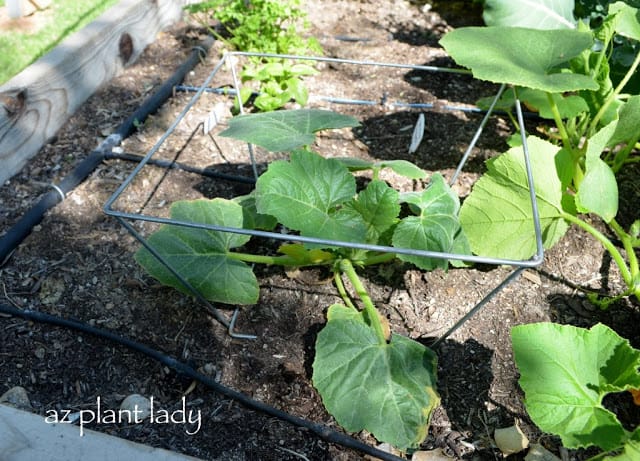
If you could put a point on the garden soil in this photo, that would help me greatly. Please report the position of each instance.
(78, 263)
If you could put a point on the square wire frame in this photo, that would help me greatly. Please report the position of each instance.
(230, 61)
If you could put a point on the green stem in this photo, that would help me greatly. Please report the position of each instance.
(612, 96)
(606, 243)
(627, 242)
(558, 119)
(274, 260)
(369, 309)
(378, 259)
(623, 154)
(343, 293)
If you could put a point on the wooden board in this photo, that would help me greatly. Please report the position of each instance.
(38, 101)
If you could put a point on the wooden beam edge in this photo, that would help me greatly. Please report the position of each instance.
(39, 100)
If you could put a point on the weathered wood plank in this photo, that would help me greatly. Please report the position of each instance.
(38, 101)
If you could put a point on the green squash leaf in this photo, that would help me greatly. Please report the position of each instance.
(251, 218)
(628, 19)
(630, 451)
(404, 168)
(566, 371)
(535, 14)
(519, 56)
(387, 389)
(497, 216)
(285, 130)
(598, 192)
(628, 122)
(379, 206)
(201, 256)
(435, 229)
(305, 194)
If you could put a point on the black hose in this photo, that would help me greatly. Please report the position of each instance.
(21, 229)
(322, 431)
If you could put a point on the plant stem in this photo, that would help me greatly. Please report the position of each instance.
(378, 259)
(558, 119)
(628, 247)
(274, 260)
(370, 310)
(606, 243)
(612, 96)
(343, 293)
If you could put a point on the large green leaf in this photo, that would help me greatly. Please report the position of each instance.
(434, 229)
(305, 194)
(535, 14)
(628, 122)
(387, 389)
(285, 130)
(631, 449)
(519, 56)
(497, 216)
(201, 257)
(379, 206)
(598, 192)
(565, 373)
(628, 21)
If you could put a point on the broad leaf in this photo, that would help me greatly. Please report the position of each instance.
(435, 229)
(535, 14)
(201, 257)
(628, 21)
(566, 371)
(305, 194)
(387, 389)
(251, 218)
(568, 106)
(285, 130)
(497, 216)
(631, 449)
(628, 123)
(404, 168)
(379, 207)
(598, 192)
(518, 56)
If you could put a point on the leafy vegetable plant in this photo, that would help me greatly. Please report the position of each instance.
(264, 26)
(565, 372)
(368, 377)
(559, 68)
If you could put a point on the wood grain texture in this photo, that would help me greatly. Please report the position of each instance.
(37, 102)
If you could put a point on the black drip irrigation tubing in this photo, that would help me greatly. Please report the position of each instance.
(16, 234)
(325, 433)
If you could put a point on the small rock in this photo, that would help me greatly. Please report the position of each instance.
(138, 406)
(39, 352)
(510, 440)
(431, 455)
(539, 453)
(17, 397)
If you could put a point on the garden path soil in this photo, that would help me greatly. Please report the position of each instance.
(78, 263)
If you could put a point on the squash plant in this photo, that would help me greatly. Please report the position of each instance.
(368, 377)
(565, 372)
(559, 68)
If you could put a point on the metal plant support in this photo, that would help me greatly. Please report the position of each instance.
(230, 59)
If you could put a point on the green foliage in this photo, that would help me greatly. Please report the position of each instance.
(385, 388)
(566, 372)
(541, 14)
(264, 26)
(504, 229)
(285, 130)
(564, 74)
(525, 57)
(203, 258)
(368, 377)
